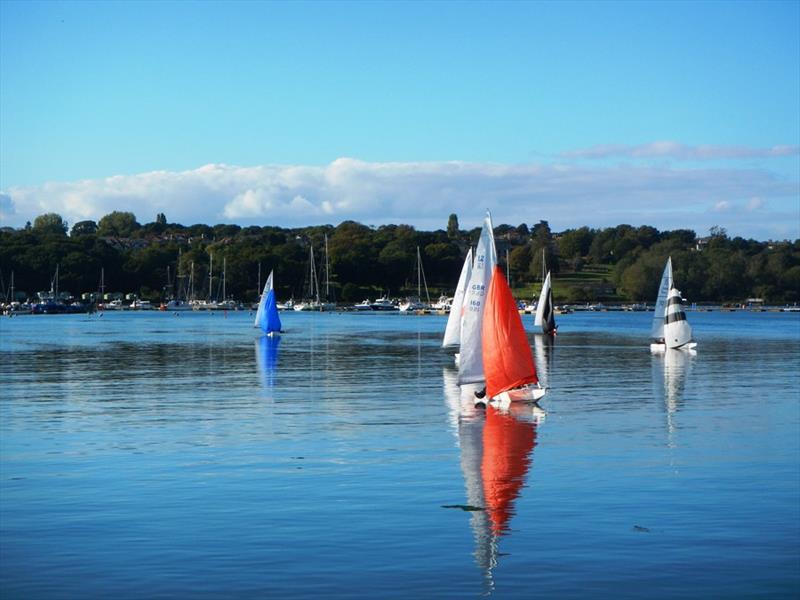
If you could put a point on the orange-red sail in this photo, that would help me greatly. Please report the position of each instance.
(507, 447)
(507, 358)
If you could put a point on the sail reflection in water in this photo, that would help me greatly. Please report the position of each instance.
(267, 359)
(496, 450)
(543, 355)
(670, 372)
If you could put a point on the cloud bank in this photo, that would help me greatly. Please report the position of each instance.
(677, 151)
(748, 202)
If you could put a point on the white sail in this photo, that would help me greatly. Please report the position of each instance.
(470, 366)
(657, 329)
(263, 301)
(452, 333)
(537, 321)
(677, 331)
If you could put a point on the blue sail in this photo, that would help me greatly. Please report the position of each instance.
(267, 315)
(271, 321)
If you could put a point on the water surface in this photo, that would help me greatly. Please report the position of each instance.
(149, 455)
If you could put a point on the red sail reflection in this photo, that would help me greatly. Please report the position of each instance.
(507, 446)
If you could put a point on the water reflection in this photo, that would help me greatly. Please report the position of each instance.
(670, 372)
(543, 355)
(267, 359)
(496, 450)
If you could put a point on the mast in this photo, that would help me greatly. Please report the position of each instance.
(224, 263)
(210, 271)
(419, 275)
(102, 283)
(12, 286)
(314, 280)
(544, 265)
(258, 287)
(191, 281)
(327, 271)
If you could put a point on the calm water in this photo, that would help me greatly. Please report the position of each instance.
(154, 456)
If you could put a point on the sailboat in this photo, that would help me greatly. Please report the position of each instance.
(452, 332)
(470, 362)
(267, 314)
(545, 314)
(507, 359)
(416, 303)
(670, 329)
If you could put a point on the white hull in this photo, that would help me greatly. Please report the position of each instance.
(662, 347)
(528, 393)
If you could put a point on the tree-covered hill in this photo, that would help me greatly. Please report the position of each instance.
(157, 259)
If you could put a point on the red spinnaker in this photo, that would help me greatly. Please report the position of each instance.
(507, 357)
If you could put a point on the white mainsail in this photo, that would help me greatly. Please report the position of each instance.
(677, 331)
(537, 321)
(470, 366)
(452, 333)
(657, 329)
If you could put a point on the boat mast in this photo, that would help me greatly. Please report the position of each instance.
(544, 266)
(327, 271)
(419, 275)
(224, 263)
(210, 271)
(314, 280)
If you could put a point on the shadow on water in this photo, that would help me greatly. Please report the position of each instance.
(496, 450)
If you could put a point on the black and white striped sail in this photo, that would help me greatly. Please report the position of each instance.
(677, 331)
(657, 329)
(545, 317)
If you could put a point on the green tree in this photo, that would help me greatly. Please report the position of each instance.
(84, 228)
(118, 224)
(452, 226)
(50, 224)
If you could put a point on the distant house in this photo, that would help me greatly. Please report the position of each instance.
(702, 243)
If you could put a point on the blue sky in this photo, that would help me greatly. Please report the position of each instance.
(681, 114)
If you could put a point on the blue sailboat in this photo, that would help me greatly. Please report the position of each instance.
(267, 314)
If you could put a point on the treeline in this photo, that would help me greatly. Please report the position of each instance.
(155, 260)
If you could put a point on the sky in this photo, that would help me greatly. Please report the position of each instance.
(676, 114)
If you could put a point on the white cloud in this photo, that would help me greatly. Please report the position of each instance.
(722, 206)
(7, 209)
(425, 193)
(677, 151)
